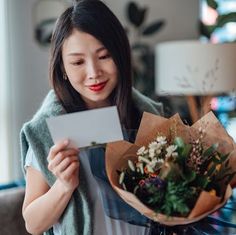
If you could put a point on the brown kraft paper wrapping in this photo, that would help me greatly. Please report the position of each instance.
(118, 153)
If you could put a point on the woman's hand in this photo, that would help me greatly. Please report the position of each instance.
(64, 164)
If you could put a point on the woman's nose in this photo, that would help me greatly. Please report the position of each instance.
(93, 70)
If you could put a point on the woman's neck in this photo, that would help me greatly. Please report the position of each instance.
(94, 105)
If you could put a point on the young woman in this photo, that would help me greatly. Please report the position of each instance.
(90, 67)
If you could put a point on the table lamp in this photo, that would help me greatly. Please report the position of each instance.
(195, 69)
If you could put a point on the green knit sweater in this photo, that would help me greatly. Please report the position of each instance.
(77, 217)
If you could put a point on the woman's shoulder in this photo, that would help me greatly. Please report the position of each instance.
(49, 107)
(144, 103)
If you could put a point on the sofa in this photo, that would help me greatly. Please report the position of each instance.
(11, 220)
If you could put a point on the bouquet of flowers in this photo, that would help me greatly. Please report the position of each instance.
(174, 173)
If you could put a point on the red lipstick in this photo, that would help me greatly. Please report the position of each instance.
(98, 87)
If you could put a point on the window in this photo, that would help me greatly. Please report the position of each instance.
(5, 158)
(227, 33)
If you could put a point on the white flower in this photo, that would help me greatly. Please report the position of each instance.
(161, 140)
(139, 165)
(131, 165)
(155, 163)
(153, 145)
(150, 169)
(171, 150)
(174, 154)
(151, 153)
(143, 159)
(141, 151)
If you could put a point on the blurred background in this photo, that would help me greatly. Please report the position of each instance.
(25, 30)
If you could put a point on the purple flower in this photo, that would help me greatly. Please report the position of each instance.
(155, 181)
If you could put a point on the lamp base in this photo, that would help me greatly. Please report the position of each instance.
(197, 110)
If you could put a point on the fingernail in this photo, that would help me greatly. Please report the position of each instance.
(66, 141)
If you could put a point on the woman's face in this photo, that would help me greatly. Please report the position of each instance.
(89, 68)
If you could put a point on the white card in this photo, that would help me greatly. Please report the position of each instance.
(86, 127)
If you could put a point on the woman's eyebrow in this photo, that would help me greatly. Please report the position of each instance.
(81, 54)
(100, 49)
(75, 54)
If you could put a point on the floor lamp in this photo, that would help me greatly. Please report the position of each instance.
(195, 69)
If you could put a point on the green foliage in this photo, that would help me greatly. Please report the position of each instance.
(143, 67)
(177, 201)
(206, 30)
(135, 14)
(222, 19)
(226, 18)
(208, 152)
(153, 28)
(183, 150)
(179, 173)
(212, 3)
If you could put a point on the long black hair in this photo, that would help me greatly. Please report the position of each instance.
(95, 18)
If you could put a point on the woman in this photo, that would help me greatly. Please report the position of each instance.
(90, 67)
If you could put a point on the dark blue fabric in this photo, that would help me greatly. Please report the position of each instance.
(221, 222)
(14, 184)
(113, 205)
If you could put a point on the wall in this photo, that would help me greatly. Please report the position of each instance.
(181, 17)
(29, 61)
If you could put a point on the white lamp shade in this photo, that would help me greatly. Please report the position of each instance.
(195, 68)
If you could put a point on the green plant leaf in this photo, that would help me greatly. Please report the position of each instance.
(227, 163)
(186, 150)
(206, 30)
(208, 152)
(212, 3)
(211, 170)
(183, 154)
(201, 181)
(226, 18)
(219, 158)
(153, 27)
(136, 15)
(140, 46)
(188, 175)
(179, 142)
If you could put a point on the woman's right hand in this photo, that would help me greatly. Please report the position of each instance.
(63, 162)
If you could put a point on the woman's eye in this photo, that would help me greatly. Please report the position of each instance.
(105, 56)
(79, 62)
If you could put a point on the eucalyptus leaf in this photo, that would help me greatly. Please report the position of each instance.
(153, 27)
